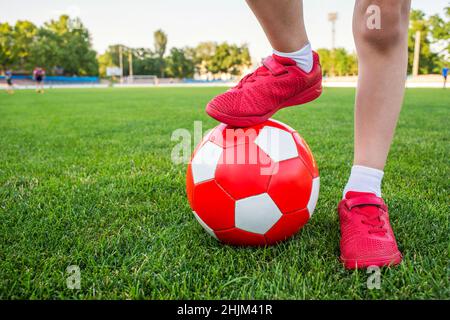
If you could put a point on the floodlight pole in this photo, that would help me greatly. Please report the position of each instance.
(130, 63)
(416, 54)
(332, 17)
(121, 62)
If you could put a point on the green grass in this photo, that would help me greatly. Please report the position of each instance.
(86, 179)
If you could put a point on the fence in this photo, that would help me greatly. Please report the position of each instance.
(56, 79)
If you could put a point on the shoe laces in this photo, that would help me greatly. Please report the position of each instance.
(262, 71)
(372, 218)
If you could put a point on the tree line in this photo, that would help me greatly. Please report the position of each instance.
(61, 46)
(64, 47)
(434, 47)
(207, 57)
(434, 41)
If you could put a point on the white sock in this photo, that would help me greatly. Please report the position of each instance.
(364, 179)
(303, 57)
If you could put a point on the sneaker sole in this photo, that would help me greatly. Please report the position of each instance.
(379, 262)
(306, 96)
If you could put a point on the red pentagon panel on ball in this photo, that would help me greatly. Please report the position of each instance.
(228, 136)
(288, 225)
(238, 237)
(244, 170)
(306, 154)
(213, 205)
(290, 187)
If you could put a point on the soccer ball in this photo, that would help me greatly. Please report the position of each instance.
(252, 186)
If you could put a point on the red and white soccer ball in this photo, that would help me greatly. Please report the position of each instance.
(252, 186)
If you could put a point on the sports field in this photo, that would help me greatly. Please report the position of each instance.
(86, 179)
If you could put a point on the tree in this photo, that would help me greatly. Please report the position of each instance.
(230, 59)
(440, 34)
(344, 63)
(145, 62)
(179, 65)
(338, 62)
(104, 61)
(24, 34)
(432, 30)
(75, 54)
(325, 60)
(352, 64)
(147, 66)
(63, 44)
(203, 54)
(160, 39)
(6, 46)
(45, 50)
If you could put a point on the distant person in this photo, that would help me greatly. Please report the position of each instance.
(292, 76)
(38, 76)
(9, 83)
(444, 75)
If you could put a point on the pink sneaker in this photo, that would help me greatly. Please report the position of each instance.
(367, 238)
(278, 83)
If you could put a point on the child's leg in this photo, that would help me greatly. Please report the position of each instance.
(382, 56)
(245, 105)
(366, 236)
(282, 22)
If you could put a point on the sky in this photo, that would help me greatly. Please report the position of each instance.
(187, 23)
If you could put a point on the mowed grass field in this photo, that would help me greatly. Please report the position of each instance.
(86, 179)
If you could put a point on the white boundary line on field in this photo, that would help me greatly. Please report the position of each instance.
(337, 84)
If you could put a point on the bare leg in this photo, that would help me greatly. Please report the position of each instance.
(382, 55)
(282, 21)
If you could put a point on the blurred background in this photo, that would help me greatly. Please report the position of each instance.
(87, 178)
(173, 41)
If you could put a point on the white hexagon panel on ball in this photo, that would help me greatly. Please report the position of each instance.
(205, 162)
(204, 225)
(278, 144)
(256, 214)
